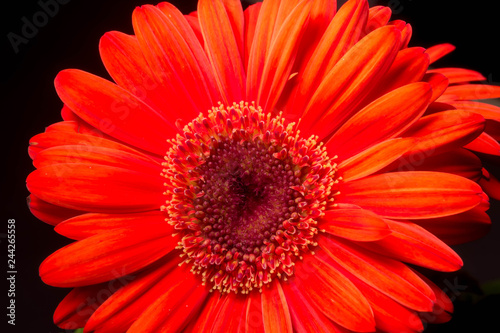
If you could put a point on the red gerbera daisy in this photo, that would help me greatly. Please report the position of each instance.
(266, 170)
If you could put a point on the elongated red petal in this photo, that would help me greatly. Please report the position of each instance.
(177, 64)
(173, 310)
(107, 256)
(124, 61)
(97, 188)
(194, 24)
(412, 194)
(354, 224)
(91, 224)
(386, 275)
(281, 56)
(443, 307)
(490, 184)
(76, 308)
(444, 131)
(459, 75)
(232, 314)
(262, 39)
(378, 17)
(342, 33)
(460, 162)
(459, 228)
(194, 41)
(236, 17)
(374, 158)
(224, 53)
(72, 135)
(410, 243)
(436, 52)
(306, 317)
(342, 89)
(486, 144)
(471, 91)
(409, 66)
(488, 111)
(439, 84)
(334, 294)
(96, 155)
(275, 313)
(383, 119)
(137, 293)
(389, 314)
(49, 213)
(114, 110)
(251, 16)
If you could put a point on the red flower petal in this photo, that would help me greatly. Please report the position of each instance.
(488, 111)
(439, 84)
(471, 91)
(354, 224)
(436, 52)
(137, 293)
(91, 224)
(378, 17)
(374, 158)
(281, 56)
(177, 59)
(100, 188)
(412, 195)
(345, 85)
(410, 243)
(224, 53)
(96, 155)
(68, 133)
(114, 110)
(485, 144)
(383, 119)
(342, 33)
(251, 17)
(390, 315)
(490, 184)
(334, 294)
(76, 308)
(388, 276)
(193, 22)
(232, 314)
(460, 228)
(460, 162)
(305, 315)
(173, 310)
(124, 61)
(107, 256)
(261, 42)
(275, 311)
(49, 213)
(236, 17)
(459, 75)
(443, 307)
(444, 131)
(409, 66)
(209, 313)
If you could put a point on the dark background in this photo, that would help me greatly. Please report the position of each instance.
(70, 39)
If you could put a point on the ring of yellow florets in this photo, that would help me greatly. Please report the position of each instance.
(244, 192)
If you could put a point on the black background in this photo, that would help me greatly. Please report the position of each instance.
(70, 40)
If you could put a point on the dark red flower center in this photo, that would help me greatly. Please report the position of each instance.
(244, 191)
(247, 195)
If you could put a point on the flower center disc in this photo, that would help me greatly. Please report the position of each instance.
(244, 192)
